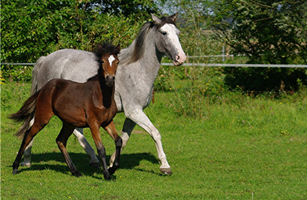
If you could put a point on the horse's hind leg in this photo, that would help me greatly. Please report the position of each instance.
(118, 143)
(27, 153)
(94, 162)
(61, 141)
(37, 126)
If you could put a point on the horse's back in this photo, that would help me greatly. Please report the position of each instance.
(67, 64)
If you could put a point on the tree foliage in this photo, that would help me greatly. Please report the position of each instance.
(266, 31)
(35, 28)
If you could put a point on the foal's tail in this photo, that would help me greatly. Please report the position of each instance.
(25, 114)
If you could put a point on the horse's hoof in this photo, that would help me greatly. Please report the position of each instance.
(76, 174)
(112, 170)
(26, 164)
(107, 176)
(95, 164)
(166, 171)
(15, 171)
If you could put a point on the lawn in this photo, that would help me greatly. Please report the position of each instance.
(241, 147)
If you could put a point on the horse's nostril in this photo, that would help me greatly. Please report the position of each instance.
(177, 58)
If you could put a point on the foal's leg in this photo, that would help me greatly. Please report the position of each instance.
(37, 126)
(94, 162)
(61, 140)
(27, 153)
(126, 132)
(94, 126)
(118, 143)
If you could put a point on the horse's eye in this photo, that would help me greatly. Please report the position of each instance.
(164, 33)
(102, 61)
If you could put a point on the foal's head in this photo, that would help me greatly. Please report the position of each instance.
(107, 54)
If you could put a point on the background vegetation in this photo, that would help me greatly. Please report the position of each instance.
(237, 133)
(268, 32)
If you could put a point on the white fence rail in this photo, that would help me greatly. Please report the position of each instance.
(204, 65)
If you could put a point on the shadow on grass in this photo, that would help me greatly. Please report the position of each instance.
(42, 162)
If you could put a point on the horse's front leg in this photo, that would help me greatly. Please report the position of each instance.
(94, 126)
(111, 130)
(140, 118)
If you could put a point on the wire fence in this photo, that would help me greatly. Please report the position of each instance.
(204, 65)
(223, 56)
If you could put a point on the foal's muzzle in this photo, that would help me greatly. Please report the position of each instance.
(110, 80)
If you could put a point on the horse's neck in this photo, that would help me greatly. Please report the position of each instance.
(151, 58)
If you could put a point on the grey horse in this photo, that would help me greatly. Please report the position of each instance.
(137, 70)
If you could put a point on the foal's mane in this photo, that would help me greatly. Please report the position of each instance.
(100, 50)
(138, 50)
(105, 47)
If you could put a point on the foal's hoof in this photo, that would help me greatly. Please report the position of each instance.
(15, 171)
(95, 164)
(107, 175)
(77, 174)
(166, 171)
(112, 170)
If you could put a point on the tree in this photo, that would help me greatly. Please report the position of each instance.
(266, 31)
(36, 28)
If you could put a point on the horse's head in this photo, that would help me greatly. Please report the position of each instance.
(167, 40)
(109, 62)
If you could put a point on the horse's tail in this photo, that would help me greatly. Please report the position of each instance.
(25, 114)
(35, 73)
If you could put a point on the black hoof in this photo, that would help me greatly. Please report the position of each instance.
(107, 175)
(76, 174)
(112, 169)
(15, 171)
(95, 165)
(166, 171)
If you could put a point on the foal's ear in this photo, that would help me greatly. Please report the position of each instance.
(156, 19)
(118, 47)
(174, 17)
(98, 48)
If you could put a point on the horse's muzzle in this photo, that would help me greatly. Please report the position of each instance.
(110, 79)
(180, 58)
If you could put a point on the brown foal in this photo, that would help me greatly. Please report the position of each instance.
(90, 104)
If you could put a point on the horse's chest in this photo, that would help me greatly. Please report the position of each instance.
(105, 115)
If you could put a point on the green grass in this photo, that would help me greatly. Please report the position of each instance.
(241, 148)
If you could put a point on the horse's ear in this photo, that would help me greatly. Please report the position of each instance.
(118, 47)
(156, 19)
(174, 17)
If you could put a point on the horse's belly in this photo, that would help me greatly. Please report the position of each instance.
(72, 116)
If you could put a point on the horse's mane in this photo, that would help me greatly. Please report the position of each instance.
(134, 55)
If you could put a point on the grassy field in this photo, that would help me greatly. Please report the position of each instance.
(241, 147)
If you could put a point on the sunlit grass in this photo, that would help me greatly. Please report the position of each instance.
(242, 147)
